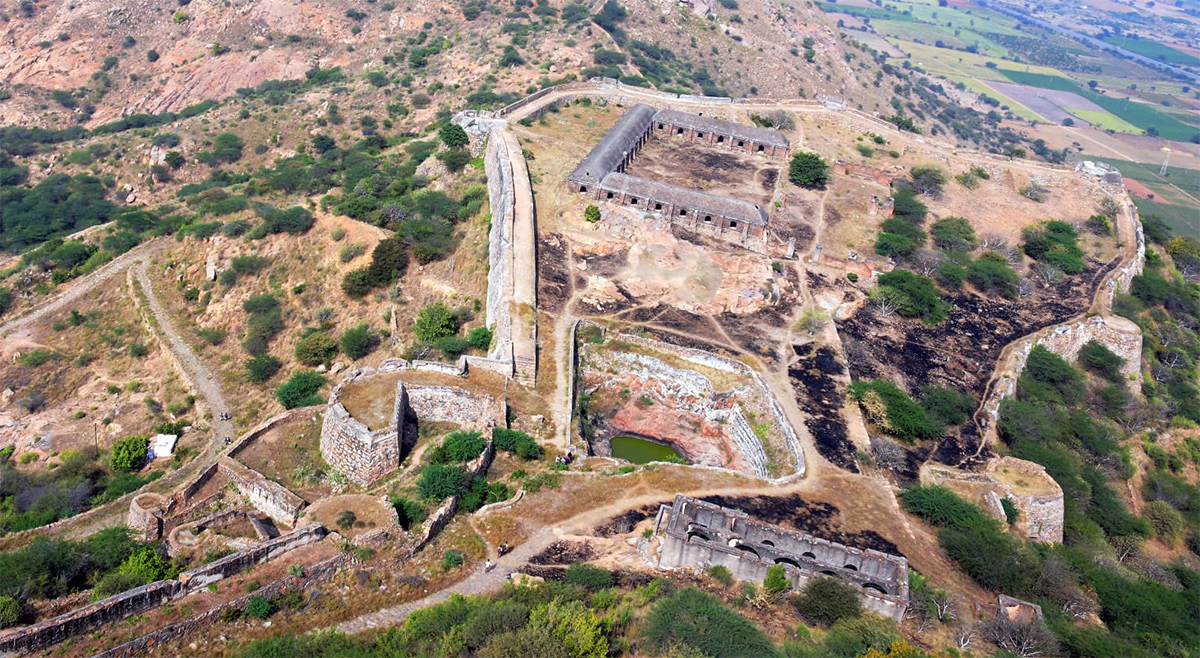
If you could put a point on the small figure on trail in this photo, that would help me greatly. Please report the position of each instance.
(487, 566)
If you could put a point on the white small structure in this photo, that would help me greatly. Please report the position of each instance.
(163, 446)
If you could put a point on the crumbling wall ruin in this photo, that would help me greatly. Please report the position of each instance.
(699, 535)
(1026, 484)
(1121, 336)
(118, 607)
(145, 516)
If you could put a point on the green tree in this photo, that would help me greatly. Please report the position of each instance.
(808, 170)
(1097, 358)
(463, 446)
(262, 367)
(480, 338)
(592, 213)
(991, 273)
(129, 453)
(927, 180)
(356, 342)
(453, 135)
(148, 565)
(227, 147)
(577, 629)
(589, 576)
(258, 607)
(435, 321)
(10, 611)
(440, 481)
(315, 348)
(776, 581)
(6, 300)
(300, 390)
(827, 600)
(954, 234)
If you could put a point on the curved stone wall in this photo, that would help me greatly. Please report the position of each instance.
(145, 515)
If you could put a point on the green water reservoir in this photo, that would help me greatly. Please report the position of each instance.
(642, 451)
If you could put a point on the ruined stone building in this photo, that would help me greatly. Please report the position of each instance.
(700, 534)
(601, 175)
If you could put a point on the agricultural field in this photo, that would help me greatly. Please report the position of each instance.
(1104, 121)
(1155, 50)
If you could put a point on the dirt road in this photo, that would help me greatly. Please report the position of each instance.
(79, 288)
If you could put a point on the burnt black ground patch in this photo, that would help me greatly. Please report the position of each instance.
(564, 552)
(554, 281)
(795, 513)
(822, 399)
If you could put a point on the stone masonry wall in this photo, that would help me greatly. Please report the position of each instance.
(312, 575)
(89, 617)
(1039, 499)
(229, 565)
(443, 514)
(501, 200)
(1121, 336)
(452, 404)
(268, 497)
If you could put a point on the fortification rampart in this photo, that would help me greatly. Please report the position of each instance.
(1026, 484)
(134, 601)
(1121, 336)
(500, 247)
(268, 497)
(699, 535)
(145, 517)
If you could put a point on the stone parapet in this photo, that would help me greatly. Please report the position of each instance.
(268, 497)
(89, 617)
(200, 577)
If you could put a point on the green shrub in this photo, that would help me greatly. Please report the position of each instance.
(938, 505)
(1011, 513)
(1045, 367)
(516, 442)
(258, 607)
(776, 581)
(409, 511)
(480, 338)
(440, 481)
(1169, 525)
(453, 135)
(827, 600)
(262, 367)
(1097, 358)
(854, 637)
(455, 159)
(148, 566)
(357, 342)
(249, 264)
(991, 273)
(114, 583)
(915, 296)
(10, 611)
(695, 622)
(452, 346)
(315, 348)
(300, 390)
(129, 454)
(346, 519)
(589, 576)
(212, 336)
(721, 574)
(945, 405)
(451, 560)
(1054, 242)
(435, 321)
(463, 446)
(591, 213)
(905, 418)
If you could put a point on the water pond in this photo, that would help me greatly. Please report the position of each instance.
(642, 451)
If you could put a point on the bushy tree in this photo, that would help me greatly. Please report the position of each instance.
(435, 321)
(592, 213)
(258, 607)
(915, 296)
(480, 338)
(129, 453)
(453, 135)
(262, 367)
(1097, 358)
(776, 581)
(991, 273)
(954, 234)
(440, 481)
(927, 180)
(315, 348)
(148, 565)
(357, 342)
(300, 390)
(1056, 243)
(516, 442)
(227, 147)
(690, 620)
(827, 600)
(463, 446)
(808, 170)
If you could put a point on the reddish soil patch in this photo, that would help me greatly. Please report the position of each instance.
(1138, 189)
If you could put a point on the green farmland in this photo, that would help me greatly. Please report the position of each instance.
(1139, 114)
(1154, 50)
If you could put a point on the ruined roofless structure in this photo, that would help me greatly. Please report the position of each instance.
(700, 534)
(601, 176)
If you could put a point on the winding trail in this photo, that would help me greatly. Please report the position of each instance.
(81, 287)
(198, 376)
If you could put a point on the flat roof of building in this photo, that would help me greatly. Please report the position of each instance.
(700, 202)
(691, 121)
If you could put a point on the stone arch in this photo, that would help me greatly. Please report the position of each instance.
(733, 223)
(760, 148)
(748, 549)
(876, 587)
(767, 542)
(583, 189)
(741, 142)
(788, 560)
(696, 534)
(827, 572)
(679, 131)
(633, 201)
(850, 567)
(720, 139)
(809, 554)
